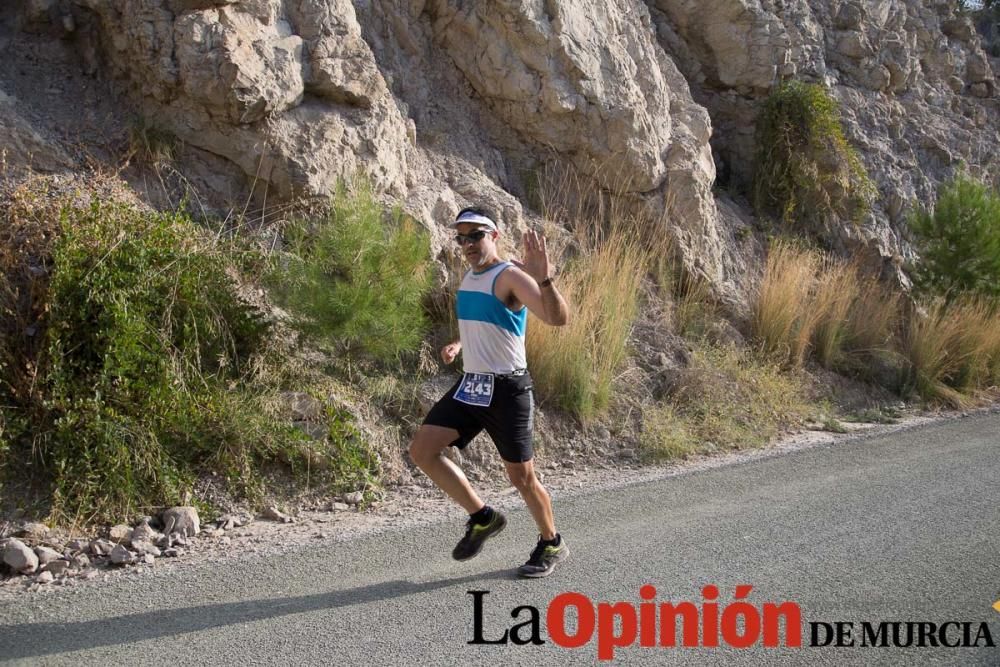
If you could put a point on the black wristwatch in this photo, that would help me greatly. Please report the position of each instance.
(546, 283)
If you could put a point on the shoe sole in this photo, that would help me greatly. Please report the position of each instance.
(545, 573)
(476, 552)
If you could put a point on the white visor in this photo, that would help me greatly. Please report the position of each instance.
(474, 219)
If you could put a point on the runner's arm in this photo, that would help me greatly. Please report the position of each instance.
(546, 303)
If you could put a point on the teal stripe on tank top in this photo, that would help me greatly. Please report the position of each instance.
(482, 307)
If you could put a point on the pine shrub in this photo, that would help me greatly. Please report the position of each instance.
(357, 276)
(958, 240)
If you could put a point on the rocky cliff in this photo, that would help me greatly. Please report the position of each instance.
(445, 102)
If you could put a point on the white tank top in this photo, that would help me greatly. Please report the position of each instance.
(492, 335)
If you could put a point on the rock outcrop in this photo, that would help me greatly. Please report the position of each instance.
(917, 92)
(22, 145)
(585, 79)
(288, 91)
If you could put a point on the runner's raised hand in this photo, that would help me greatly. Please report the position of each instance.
(536, 256)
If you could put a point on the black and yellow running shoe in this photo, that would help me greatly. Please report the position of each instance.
(475, 535)
(544, 558)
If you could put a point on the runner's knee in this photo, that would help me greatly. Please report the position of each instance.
(424, 448)
(523, 479)
(420, 452)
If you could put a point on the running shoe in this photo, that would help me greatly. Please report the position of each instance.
(543, 559)
(475, 535)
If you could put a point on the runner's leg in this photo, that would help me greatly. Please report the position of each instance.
(427, 451)
(522, 476)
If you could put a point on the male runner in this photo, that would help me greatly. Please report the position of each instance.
(495, 391)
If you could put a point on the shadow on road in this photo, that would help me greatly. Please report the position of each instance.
(30, 640)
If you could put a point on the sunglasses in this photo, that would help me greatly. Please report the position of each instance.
(473, 237)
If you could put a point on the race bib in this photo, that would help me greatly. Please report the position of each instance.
(475, 389)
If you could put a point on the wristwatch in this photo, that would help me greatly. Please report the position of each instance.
(545, 283)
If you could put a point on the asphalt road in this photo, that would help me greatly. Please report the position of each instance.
(903, 527)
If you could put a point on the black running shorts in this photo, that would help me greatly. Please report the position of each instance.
(508, 418)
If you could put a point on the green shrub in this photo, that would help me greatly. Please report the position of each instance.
(356, 278)
(959, 240)
(129, 365)
(145, 338)
(355, 465)
(806, 173)
(132, 365)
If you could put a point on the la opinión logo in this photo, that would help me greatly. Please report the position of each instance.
(572, 621)
(653, 624)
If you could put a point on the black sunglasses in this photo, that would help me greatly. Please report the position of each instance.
(472, 237)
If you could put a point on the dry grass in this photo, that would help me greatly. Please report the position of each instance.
(603, 263)
(727, 399)
(694, 306)
(820, 306)
(569, 197)
(932, 346)
(836, 289)
(150, 145)
(814, 305)
(872, 320)
(686, 296)
(979, 343)
(576, 364)
(29, 229)
(953, 350)
(782, 323)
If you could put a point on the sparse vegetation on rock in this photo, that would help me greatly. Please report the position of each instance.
(806, 174)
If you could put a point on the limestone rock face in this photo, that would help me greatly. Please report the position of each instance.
(22, 144)
(583, 77)
(288, 91)
(735, 43)
(444, 103)
(917, 92)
